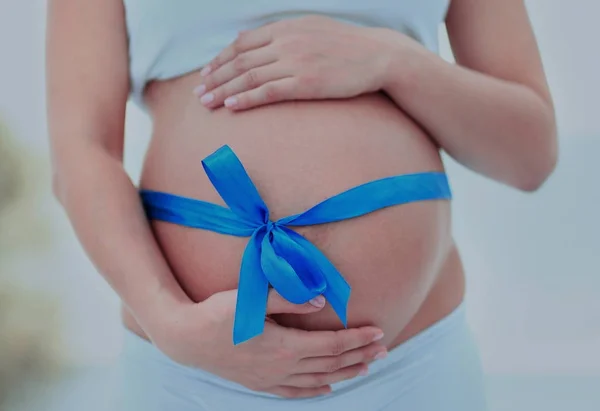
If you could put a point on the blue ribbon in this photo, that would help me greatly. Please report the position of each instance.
(275, 254)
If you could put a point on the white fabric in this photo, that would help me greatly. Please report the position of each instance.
(170, 38)
(437, 370)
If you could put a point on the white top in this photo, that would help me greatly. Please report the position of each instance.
(169, 38)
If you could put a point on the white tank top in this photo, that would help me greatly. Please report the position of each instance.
(168, 38)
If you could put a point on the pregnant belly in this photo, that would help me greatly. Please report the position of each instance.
(298, 154)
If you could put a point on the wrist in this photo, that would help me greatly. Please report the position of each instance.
(166, 323)
(403, 58)
(183, 331)
(159, 311)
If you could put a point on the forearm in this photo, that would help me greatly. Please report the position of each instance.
(497, 128)
(104, 208)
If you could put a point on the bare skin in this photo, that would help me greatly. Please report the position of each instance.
(405, 278)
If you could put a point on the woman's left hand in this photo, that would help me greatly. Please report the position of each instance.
(308, 58)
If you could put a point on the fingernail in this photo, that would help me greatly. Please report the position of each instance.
(318, 301)
(364, 372)
(381, 355)
(200, 90)
(230, 101)
(205, 71)
(378, 336)
(207, 98)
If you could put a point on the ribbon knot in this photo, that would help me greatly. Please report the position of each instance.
(270, 226)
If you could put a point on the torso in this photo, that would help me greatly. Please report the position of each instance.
(401, 262)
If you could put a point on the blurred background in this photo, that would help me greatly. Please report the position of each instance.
(532, 260)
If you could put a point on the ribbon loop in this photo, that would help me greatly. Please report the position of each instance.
(229, 177)
(288, 268)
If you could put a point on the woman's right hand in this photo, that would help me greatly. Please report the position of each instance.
(283, 361)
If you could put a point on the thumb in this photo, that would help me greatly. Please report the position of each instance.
(276, 304)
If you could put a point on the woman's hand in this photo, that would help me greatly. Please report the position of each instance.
(282, 361)
(301, 59)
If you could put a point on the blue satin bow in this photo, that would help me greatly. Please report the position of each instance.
(275, 254)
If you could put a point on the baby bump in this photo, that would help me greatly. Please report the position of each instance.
(297, 155)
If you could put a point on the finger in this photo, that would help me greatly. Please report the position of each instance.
(235, 68)
(268, 93)
(331, 364)
(296, 392)
(245, 41)
(334, 343)
(254, 78)
(276, 304)
(321, 379)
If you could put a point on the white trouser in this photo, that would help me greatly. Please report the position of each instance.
(437, 370)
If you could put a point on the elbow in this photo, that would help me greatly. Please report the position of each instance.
(534, 179)
(57, 186)
(540, 161)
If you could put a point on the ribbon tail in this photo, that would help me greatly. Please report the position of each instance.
(338, 290)
(253, 289)
(194, 213)
(373, 196)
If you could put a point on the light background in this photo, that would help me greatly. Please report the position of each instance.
(532, 260)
